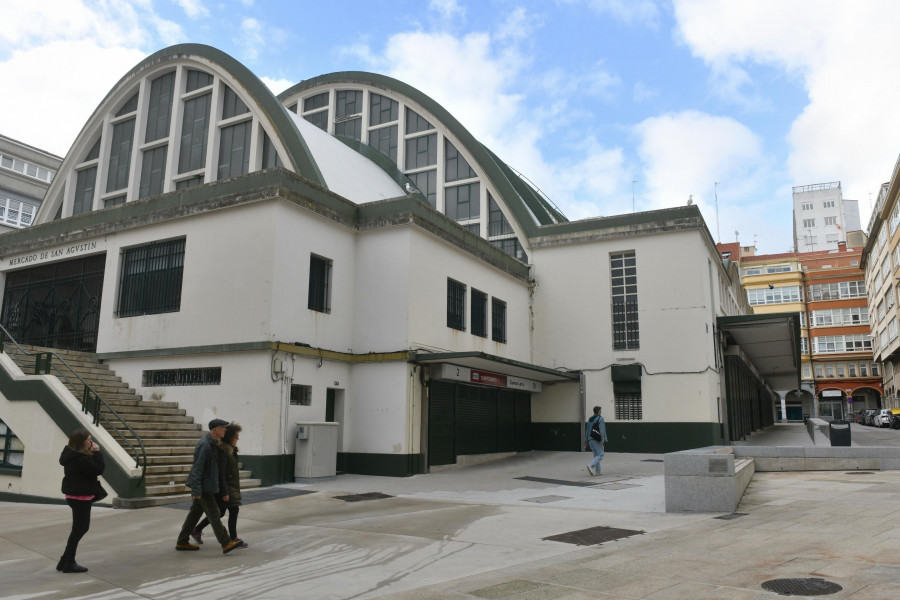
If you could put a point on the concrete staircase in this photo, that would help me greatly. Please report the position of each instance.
(168, 433)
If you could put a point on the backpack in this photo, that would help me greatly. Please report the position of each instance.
(595, 430)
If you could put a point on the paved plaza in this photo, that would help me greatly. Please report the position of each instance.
(510, 529)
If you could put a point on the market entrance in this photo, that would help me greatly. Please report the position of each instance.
(55, 305)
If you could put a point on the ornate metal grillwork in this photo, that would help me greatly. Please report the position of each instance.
(55, 305)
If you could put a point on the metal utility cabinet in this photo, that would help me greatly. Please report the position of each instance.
(316, 450)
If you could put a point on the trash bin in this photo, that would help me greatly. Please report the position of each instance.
(839, 433)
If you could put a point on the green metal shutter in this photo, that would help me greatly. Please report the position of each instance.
(523, 422)
(441, 442)
(476, 420)
(506, 421)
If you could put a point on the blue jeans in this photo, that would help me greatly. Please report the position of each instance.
(597, 449)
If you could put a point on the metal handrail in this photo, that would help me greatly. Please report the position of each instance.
(91, 401)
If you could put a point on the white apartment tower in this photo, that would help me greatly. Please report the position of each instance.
(822, 217)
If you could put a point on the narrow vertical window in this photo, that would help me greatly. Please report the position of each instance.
(497, 223)
(456, 305)
(623, 280)
(234, 150)
(498, 320)
(426, 181)
(270, 156)
(421, 151)
(153, 172)
(382, 109)
(232, 105)
(319, 283)
(120, 155)
(194, 131)
(479, 313)
(456, 167)
(385, 141)
(84, 191)
(463, 202)
(160, 108)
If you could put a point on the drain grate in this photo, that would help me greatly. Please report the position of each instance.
(363, 497)
(731, 516)
(558, 481)
(859, 473)
(653, 460)
(546, 499)
(814, 586)
(593, 536)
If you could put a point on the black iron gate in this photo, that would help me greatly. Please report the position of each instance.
(55, 305)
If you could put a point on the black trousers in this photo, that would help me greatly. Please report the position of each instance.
(232, 517)
(81, 522)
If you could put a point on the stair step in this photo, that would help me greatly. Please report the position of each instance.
(143, 418)
(143, 429)
(169, 451)
(131, 411)
(168, 469)
(168, 435)
(135, 401)
(165, 478)
(180, 460)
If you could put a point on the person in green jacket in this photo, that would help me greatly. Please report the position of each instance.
(233, 479)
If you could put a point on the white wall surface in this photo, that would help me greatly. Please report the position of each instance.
(381, 412)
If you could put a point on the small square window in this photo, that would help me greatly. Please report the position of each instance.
(301, 395)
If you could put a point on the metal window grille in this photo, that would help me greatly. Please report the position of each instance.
(12, 450)
(151, 279)
(479, 313)
(456, 305)
(498, 320)
(181, 377)
(319, 284)
(301, 395)
(623, 279)
(629, 406)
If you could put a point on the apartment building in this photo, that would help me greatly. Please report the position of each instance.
(25, 175)
(822, 216)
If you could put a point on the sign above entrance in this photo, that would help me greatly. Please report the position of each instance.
(480, 377)
(49, 254)
(831, 393)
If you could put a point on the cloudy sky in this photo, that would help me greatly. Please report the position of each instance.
(606, 105)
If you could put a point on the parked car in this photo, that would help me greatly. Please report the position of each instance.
(882, 417)
(895, 421)
(869, 418)
(856, 417)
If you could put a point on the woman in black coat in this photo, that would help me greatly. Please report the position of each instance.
(83, 463)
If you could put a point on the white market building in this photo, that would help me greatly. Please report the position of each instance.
(348, 252)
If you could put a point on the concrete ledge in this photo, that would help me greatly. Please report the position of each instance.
(706, 479)
(821, 458)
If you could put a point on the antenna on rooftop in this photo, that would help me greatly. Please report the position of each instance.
(633, 181)
(718, 234)
(736, 234)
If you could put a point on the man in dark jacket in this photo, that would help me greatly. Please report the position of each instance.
(204, 483)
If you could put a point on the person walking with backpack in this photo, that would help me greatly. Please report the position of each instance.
(595, 435)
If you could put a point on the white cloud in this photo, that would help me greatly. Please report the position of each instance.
(252, 39)
(684, 154)
(276, 86)
(60, 72)
(643, 93)
(193, 8)
(841, 53)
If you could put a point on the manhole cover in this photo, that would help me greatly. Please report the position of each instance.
(731, 516)
(801, 587)
(593, 535)
(362, 497)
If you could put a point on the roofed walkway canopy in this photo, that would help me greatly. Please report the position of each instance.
(772, 344)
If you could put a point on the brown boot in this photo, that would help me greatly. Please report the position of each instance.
(186, 547)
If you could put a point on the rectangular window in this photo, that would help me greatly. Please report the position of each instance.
(778, 268)
(160, 107)
(232, 105)
(804, 345)
(807, 372)
(479, 313)
(629, 406)
(831, 220)
(385, 141)
(120, 155)
(809, 222)
(778, 295)
(197, 80)
(851, 369)
(382, 109)
(349, 102)
(839, 369)
(463, 202)
(84, 191)
(623, 280)
(189, 183)
(498, 320)
(111, 202)
(497, 223)
(421, 151)
(874, 369)
(456, 305)
(194, 131)
(426, 181)
(828, 204)
(319, 119)
(301, 395)
(151, 279)
(12, 450)
(806, 206)
(819, 371)
(351, 128)
(270, 156)
(319, 283)
(314, 102)
(415, 123)
(753, 271)
(179, 377)
(153, 172)
(829, 370)
(234, 150)
(513, 247)
(835, 291)
(863, 370)
(456, 167)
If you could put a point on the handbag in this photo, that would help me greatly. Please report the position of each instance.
(99, 492)
(595, 431)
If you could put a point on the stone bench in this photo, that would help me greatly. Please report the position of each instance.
(708, 479)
